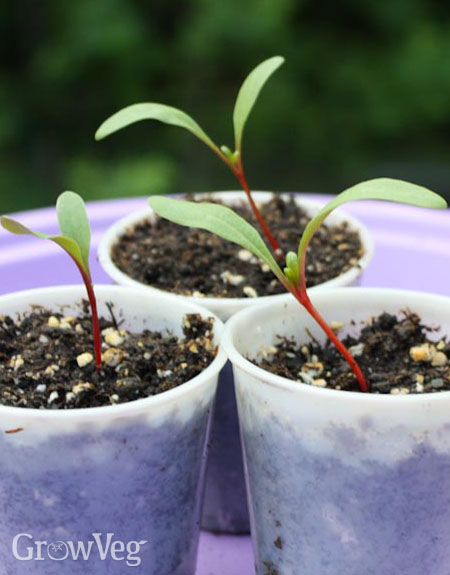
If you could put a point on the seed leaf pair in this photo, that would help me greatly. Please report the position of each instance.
(225, 223)
(75, 239)
(247, 96)
(245, 101)
(75, 235)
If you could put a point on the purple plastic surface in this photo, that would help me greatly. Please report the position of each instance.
(412, 252)
(225, 508)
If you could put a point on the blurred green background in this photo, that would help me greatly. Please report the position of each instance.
(365, 92)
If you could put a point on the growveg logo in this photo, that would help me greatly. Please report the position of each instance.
(101, 546)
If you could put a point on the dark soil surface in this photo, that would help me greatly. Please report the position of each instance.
(397, 356)
(46, 360)
(190, 261)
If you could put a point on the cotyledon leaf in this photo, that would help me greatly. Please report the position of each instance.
(386, 189)
(219, 220)
(68, 244)
(249, 92)
(153, 111)
(74, 223)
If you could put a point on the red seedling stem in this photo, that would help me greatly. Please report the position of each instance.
(303, 298)
(300, 293)
(239, 173)
(94, 317)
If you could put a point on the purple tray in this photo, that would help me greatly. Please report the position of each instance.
(412, 252)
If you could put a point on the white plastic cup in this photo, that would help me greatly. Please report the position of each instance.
(225, 506)
(341, 482)
(134, 469)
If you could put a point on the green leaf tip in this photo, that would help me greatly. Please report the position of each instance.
(386, 189)
(74, 225)
(249, 92)
(152, 111)
(14, 227)
(217, 219)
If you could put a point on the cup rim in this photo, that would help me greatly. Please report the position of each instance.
(221, 305)
(277, 381)
(122, 409)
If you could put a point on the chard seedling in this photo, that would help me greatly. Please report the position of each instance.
(75, 239)
(230, 226)
(247, 96)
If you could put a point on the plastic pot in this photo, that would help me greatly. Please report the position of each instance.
(133, 470)
(341, 482)
(225, 507)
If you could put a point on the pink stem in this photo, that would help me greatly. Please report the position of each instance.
(239, 173)
(301, 294)
(94, 316)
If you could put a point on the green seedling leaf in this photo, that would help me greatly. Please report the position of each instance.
(153, 111)
(74, 223)
(76, 239)
(219, 220)
(249, 93)
(69, 245)
(386, 189)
